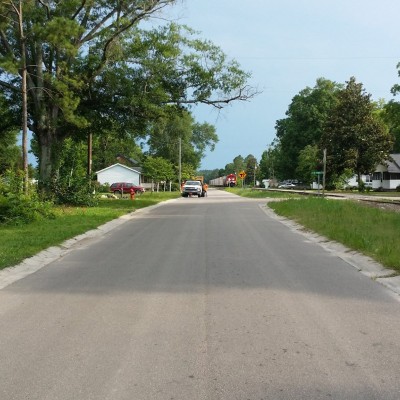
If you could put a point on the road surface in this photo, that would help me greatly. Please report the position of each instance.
(206, 298)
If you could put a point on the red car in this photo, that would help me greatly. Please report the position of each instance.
(125, 187)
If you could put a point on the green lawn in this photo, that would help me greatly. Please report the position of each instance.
(261, 194)
(20, 242)
(372, 231)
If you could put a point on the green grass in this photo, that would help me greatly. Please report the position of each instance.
(261, 194)
(371, 231)
(20, 242)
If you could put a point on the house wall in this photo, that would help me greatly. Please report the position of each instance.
(353, 181)
(118, 173)
(380, 181)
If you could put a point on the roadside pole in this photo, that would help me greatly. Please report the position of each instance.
(242, 175)
(323, 176)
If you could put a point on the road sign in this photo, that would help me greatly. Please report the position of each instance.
(317, 173)
(242, 174)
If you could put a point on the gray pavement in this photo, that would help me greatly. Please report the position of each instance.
(362, 263)
(214, 299)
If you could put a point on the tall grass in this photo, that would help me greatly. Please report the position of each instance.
(372, 231)
(22, 241)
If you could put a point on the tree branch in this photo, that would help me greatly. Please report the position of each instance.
(245, 94)
(6, 44)
(9, 86)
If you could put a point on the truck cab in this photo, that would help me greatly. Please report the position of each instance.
(192, 187)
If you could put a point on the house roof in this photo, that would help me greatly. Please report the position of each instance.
(134, 163)
(119, 165)
(394, 164)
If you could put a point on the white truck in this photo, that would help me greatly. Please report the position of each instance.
(192, 188)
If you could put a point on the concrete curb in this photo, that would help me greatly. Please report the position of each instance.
(364, 264)
(32, 264)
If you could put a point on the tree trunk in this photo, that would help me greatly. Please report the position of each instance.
(48, 145)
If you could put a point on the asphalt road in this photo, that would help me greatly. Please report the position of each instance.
(206, 298)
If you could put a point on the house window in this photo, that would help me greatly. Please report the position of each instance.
(376, 176)
(394, 176)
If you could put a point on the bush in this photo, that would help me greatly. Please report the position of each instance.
(22, 209)
(361, 186)
(79, 192)
(16, 207)
(101, 188)
(398, 188)
(175, 187)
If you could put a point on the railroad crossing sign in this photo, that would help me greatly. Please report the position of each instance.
(242, 174)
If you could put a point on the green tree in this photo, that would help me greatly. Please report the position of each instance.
(209, 174)
(304, 123)
(229, 168)
(108, 146)
(238, 164)
(88, 62)
(391, 116)
(158, 169)
(10, 153)
(268, 162)
(355, 138)
(188, 171)
(178, 128)
(250, 169)
(309, 158)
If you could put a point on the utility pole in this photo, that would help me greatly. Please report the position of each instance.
(255, 168)
(180, 163)
(89, 154)
(323, 176)
(24, 93)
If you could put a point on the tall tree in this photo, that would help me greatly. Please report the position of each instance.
(158, 169)
(178, 128)
(238, 164)
(355, 138)
(251, 165)
(303, 125)
(391, 116)
(88, 58)
(309, 161)
(10, 152)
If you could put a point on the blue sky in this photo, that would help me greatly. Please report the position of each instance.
(287, 45)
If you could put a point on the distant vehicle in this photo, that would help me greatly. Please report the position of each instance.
(119, 188)
(192, 188)
(226, 180)
(286, 186)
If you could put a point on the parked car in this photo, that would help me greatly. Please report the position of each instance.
(125, 187)
(286, 186)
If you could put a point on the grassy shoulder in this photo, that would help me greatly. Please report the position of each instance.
(261, 194)
(22, 241)
(371, 231)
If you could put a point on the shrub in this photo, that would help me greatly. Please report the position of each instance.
(101, 188)
(398, 188)
(16, 207)
(79, 192)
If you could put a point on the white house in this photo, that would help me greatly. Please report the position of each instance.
(353, 181)
(387, 175)
(118, 173)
